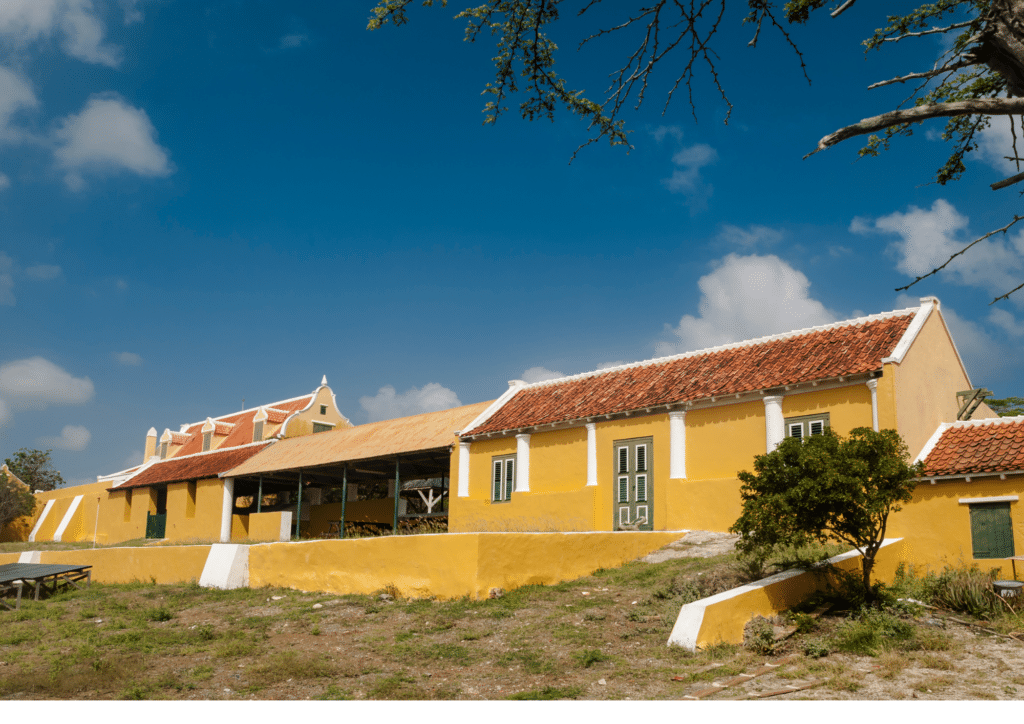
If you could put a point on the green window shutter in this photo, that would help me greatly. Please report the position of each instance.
(991, 530)
(496, 495)
(510, 478)
(796, 429)
(257, 431)
(817, 427)
(641, 488)
(623, 460)
(641, 458)
(624, 489)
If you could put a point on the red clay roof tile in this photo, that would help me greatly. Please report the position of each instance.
(978, 446)
(193, 467)
(837, 350)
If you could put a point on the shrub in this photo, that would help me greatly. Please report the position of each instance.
(874, 631)
(966, 589)
(816, 648)
(759, 636)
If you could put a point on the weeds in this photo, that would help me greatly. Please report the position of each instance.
(549, 693)
(588, 657)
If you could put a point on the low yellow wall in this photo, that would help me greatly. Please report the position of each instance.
(447, 565)
(165, 564)
(6, 558)
(265, 526)
(526, 512)
(726, 615)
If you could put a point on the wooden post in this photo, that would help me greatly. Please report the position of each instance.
(398, 489)
(344, 499)
(259, 499)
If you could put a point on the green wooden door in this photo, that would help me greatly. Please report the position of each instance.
(156, 525)
(633, 485)
(991, 530)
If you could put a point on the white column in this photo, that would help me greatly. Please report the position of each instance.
(775, 426)
(463, 469)
(522, 463)
(227, 505)
(591, 453)
(873, 386)
(677, 444)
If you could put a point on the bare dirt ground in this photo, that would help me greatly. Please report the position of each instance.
(600, 637)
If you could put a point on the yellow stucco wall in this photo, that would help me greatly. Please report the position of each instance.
(204, 523)
(722, 440)
(446, 566)
(570, 511)
(848, 407)
(926, 383)
(265, 526)
(165, 564)
(558, 461)
(937, 528)
(726, 614)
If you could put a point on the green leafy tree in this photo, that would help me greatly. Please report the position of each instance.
(16, 500)
(978, 76)
(826, 488)
(1007, 407)
(33, 467)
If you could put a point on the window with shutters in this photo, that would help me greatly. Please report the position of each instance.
(207, 439)
(320, 427)
(163, 451)
(257, 431)
(503, 478)
(807, 425)
(991, 530)
(632, 488)
(323, 409)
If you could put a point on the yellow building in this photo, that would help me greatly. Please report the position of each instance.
(656, 445)
(965, 509)
(177, 492)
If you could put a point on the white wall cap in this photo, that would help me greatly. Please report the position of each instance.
(152, 432)
(990, 499)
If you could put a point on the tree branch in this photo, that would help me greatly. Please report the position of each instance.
(1007, 295)
(980, 106)
(843, 8)
(926, 74)
(1008, 182)
(961, 252)
(930, 31)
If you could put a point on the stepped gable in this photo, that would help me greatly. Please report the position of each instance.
(841, 349)
(977, 446)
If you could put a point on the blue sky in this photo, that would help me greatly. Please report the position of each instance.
(205, 202)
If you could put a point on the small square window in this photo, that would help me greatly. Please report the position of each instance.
(323, 409)
(807, 425)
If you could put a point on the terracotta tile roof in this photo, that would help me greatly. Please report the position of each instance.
(845, 348)
(276, 416)
(241, 431)
(222, 428)
(192, 467)
(976, 446)
(178, 438)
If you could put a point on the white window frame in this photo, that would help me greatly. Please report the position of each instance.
(506, 465)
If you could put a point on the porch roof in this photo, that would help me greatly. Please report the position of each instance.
(192, 467)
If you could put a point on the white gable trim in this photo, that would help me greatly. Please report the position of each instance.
(513, 387)
(932, 441)
(927, 304)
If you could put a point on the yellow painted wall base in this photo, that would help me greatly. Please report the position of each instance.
(722, 618)
(446, 565)
(265, 526)
(162, 564)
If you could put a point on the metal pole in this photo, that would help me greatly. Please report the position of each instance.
(298, 510)
(259, 500)
(344, 499)
(398, 487)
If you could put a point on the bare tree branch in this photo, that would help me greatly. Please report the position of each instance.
(930, 31)
(1007, 295)
(1008, 182)
(936, 270)
(843, 8)
(985, 106)
(926, 74)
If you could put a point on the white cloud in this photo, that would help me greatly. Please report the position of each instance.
(129, 359)
(928, 237)
(42, 272)
(16, 94)
(539, 374)
(687, 180)
(109, 135)
(660, 132)
(995, 143)
(72, 437)
(387, 404)
(749, 238)
(747, 297)
(132, 14)
(5, 181)
(1006, 321)
(36, 383)
(25, 21)
(6, 281)
(293, 40)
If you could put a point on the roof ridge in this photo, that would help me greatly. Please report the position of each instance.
(724, 347)
(986, 421)
(211, 452)
(253, 409)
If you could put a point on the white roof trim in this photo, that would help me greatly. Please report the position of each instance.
(932, 441)
(252, 409)
(990, 499)
(927, 304)
(491, 409)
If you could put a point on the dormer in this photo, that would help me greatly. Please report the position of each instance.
(209, 427)
(170, 443)
(258, 423)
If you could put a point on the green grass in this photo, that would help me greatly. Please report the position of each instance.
(549, 693)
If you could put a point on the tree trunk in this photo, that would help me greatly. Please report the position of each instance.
(867, 564)
(1002, 44)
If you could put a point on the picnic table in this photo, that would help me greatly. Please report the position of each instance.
(13, 576)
